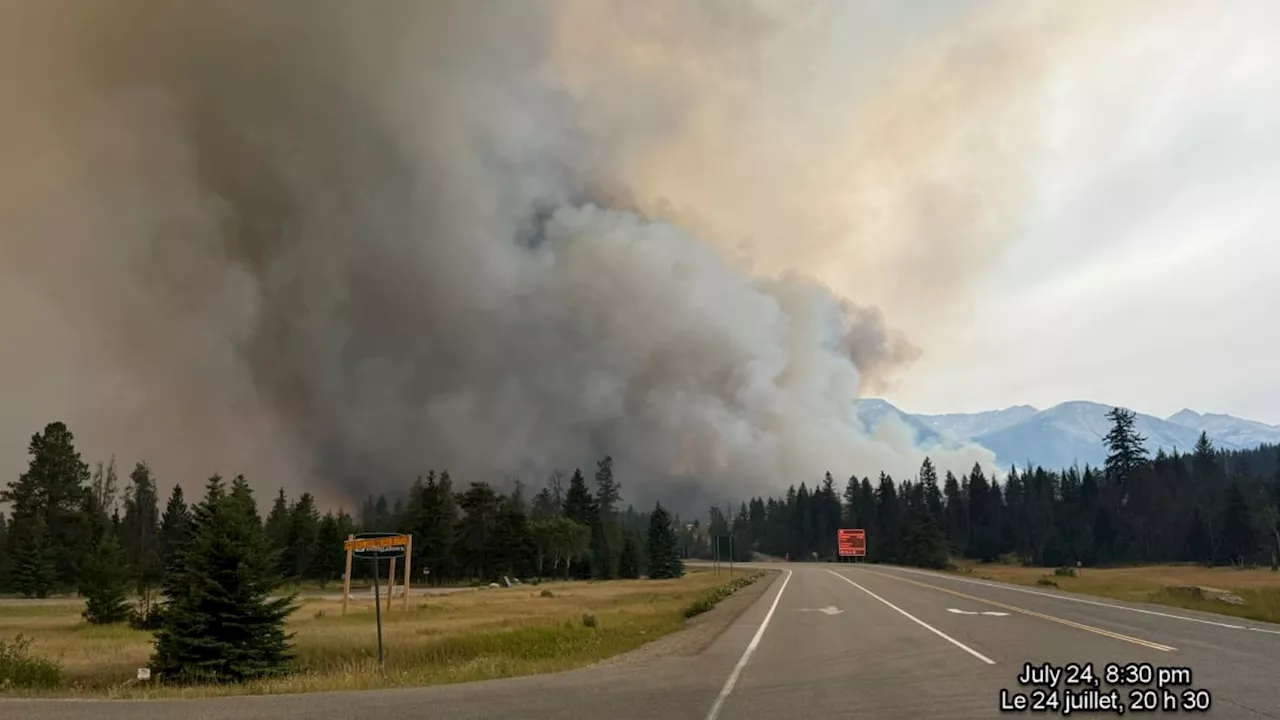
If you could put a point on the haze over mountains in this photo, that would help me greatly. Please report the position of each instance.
(1068, 433)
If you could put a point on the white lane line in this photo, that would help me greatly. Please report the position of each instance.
(1083, 601)
(919, 622)
(746, 654)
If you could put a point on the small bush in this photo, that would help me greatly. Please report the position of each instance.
(588, 620)
(319, 614)
(1046, 582)
(145, 619)
(546, 593)
(1065, 571)
(21, 669)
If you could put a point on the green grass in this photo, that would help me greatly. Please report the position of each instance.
(712, 596)
(490, 633)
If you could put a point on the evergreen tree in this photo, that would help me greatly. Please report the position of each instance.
(957, 515)
(629, 559)
(221, 623)
(277, 529)
(302, 538)
(605, 536)
(331, 558)
(6, 558)
(175, 530)
(580, 507)
(50, 530)
(434, 539)
(139, 530)
(105, 581)
(1125, 451)
(476, 530)
(664, 555)
(513, 545)
(1238, 540)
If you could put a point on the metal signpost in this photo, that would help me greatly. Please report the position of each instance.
(852, 543)
(376, 547)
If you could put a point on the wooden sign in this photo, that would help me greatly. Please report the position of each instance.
(379, 546)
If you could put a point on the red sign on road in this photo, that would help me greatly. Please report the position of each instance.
(851, 543)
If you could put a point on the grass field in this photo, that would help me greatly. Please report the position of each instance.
(488, 633)
(1260, 589)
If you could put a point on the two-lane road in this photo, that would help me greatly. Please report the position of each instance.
(824, 641)
(907, 643)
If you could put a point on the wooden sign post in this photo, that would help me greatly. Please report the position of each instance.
(376, 547)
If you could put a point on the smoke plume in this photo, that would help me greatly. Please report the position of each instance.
(335, 244)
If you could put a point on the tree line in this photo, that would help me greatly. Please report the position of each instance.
(205, 577)
(66, 523)
(1207, 506)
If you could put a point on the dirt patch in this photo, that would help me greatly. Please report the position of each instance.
(699, 631)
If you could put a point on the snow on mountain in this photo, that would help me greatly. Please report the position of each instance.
(1072, 432)
(1228, 429)
(967, 425)
(1069, 433)
(874, 411)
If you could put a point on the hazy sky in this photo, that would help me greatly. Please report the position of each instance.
(1143, 269)
(509, 237)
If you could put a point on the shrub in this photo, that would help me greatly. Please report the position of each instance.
(19, 668)
(1046, 582)
(1065, 571)
(710, 598)
(546, 593)
(588, 620)
(145, 618)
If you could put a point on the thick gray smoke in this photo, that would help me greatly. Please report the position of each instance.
(335, 244)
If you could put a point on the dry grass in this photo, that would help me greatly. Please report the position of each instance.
(1260, 589)
(478, 635)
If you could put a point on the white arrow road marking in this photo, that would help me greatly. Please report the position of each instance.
(961, 612)
(830, 610)
(993, 612)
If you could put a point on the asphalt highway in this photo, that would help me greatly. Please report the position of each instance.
(841, 641)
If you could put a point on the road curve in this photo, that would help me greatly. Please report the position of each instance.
(828, 641)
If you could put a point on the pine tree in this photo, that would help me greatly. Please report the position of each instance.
(1125, 451)
(50, 530)
(580, 507)
(33, 570)
(220, 624)
(330, 560)
(1238, 539)
(302, 537)
(663, 552)
(605, 539)
(629, 558)
(476, 529)
(6, 559)
(105, 581)
(175, 532)
(434, 539)
(139, 530)
(277, 529)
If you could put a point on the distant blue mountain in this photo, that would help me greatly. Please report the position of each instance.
(1070, 432)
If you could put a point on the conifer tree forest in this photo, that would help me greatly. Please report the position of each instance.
(170, 563)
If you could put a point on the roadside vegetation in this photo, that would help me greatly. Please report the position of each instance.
(1247, 593)
(480, 635)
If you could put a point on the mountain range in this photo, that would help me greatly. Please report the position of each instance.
(1068, 433)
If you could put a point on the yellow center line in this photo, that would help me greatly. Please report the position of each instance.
(1051, 618)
